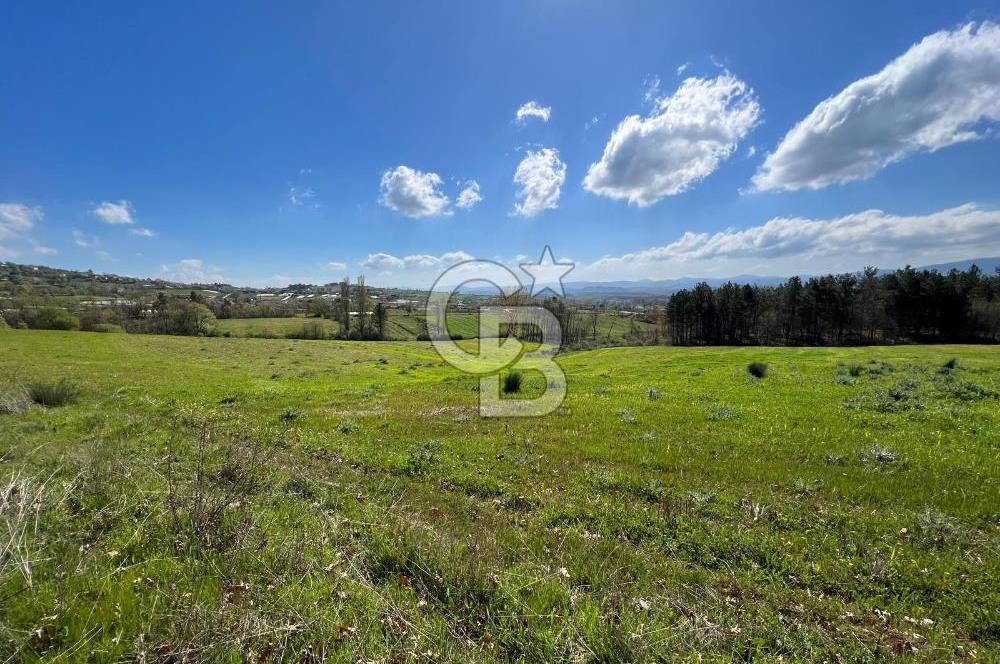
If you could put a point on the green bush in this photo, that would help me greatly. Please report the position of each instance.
(53, 318)
(184, 318)
(55, 394)
(757, 369)
(106, 328)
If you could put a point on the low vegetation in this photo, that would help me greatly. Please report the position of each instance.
(216, 499)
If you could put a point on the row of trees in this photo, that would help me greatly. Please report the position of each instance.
(905, 305)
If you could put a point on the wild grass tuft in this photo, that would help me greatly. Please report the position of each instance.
(347, 427)
(14, 400)
(757, 369)
(53, 395)
(653, 393)
(937, 528)
(880, 454)
(512, 382)
(951, 364)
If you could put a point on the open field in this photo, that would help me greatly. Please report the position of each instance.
(217, 499)
(405, 326)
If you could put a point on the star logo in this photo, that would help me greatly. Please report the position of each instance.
(547, 274)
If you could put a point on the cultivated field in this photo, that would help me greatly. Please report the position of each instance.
(216, 499)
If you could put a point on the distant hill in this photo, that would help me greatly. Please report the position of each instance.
(57, 280)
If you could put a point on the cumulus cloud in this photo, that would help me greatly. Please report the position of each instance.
(382, 261)
(682, 141)
(17, 219)
(335, 266)
(930, 97)
(120, 213)
(192, 270)
(413, 193)
(533, 109)
(794, 244)
(541, 175)
(469, 196)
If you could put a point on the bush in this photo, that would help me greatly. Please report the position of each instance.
(951, 364)
(421, 457)
(312, 329)
(855, 369)
(3, 323)
(184, 318)
(757, 369)
(53, 395)
(512, 382)
(53, 318)
(653, 393)
(107, 328)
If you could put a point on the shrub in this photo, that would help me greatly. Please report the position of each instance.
(757, 369)
(512, 382)
(289, 415)
(951, 364)
(184, 318)
(347, 426)
(312, 329)
(3, 323)
(627, 416)
(855, 369)
(55, 394)
(106, 328)
(421, 457)
(53, 318)
(653, 393)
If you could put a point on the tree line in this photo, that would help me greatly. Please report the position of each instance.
(906, 305)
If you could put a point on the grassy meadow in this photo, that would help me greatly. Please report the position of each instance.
(402, 325)
(233, 499)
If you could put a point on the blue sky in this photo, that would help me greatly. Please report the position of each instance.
(267, 143)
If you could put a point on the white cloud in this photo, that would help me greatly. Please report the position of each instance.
(681, 142)
(533, 109)
(46, 251)
(86, 241)
(142, 232)
(930, 97)
(299, 196)
(413, 193)
(541, 176)
(17, 219)
(683, 68)
(119, 213)
(192, 270)
(469, 196)
(335, 266)
(382, 261)
(787, 245)
(652, 93)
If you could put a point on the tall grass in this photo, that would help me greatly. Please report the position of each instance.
(53, 395)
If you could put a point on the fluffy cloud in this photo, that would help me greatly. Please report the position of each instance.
(192, 270)
(383, 261)
(541, 176)
(119, 213)
(17, 219)
(413, 193)
(532, 109)
(930, 97)
(142, 232)
(469, 196)
(682, 141)
(335, 266)
(793, 244)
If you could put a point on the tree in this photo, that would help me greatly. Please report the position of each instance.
(381, 316)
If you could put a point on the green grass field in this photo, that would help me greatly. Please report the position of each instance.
(223, 499)
(405, 326)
